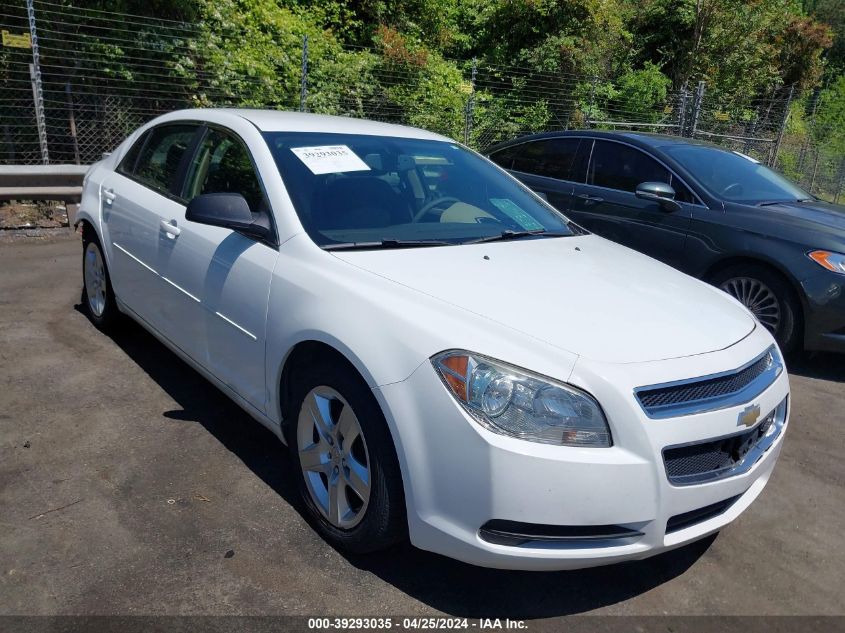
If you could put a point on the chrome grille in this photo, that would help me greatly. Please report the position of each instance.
(710, 392)
(722, 457)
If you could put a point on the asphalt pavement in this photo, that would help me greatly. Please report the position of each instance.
(130, 485)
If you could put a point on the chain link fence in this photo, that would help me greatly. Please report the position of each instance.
(102, 74)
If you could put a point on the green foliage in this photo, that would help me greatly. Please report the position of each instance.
(576, 36)
(249, 53)
(738, 47)
(542, 63)
(497, 120)
(643, 91)
(832, 13)
(829, 128)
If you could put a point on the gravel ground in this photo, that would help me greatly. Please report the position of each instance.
(129, 485)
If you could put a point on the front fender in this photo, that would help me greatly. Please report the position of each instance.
(386, 330)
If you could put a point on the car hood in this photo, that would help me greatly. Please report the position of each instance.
(583, 294)
(822, 214)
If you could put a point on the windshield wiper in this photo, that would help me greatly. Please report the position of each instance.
(769, 203)
(373, 245)
(504, 236)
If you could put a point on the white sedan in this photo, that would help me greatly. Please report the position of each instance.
(447, 357)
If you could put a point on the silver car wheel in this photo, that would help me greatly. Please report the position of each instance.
(757, 297)
(95, 279)
(334, 458)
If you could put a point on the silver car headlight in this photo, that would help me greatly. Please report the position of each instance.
(518, 403)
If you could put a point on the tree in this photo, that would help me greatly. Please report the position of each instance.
(739, 47)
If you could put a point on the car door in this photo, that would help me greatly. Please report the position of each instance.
(545, 166)
(224, 275)
(137, 200)
(606, 204)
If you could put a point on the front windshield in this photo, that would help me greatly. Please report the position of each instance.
(356, 189)
(735, 177)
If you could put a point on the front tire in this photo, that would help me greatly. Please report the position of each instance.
(769, 297)
(345, 462)
(97, 293)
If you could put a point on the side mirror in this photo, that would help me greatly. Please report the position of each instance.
(660, 193)
(228, 210)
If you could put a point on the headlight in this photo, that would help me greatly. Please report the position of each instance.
(515, 402)
(834, 262)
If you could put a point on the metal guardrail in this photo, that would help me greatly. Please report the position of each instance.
(42, 182)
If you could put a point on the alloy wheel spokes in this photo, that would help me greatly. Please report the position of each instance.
(333, 457)
(95, 280)
(757, 297)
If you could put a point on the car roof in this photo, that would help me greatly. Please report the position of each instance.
(638, 138)
(284, 121)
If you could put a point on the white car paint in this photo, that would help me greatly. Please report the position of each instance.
(665, 315)
(581, 310)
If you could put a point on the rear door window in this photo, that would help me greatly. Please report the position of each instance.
(505, 157)
(552, 158)
(127, 165)
(159, 162)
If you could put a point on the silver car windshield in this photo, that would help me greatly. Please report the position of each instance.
(361, 190)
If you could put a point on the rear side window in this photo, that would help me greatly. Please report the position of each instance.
(158, 163)
(622, 167)
(127, 165)
(552, 158)
(505, 157)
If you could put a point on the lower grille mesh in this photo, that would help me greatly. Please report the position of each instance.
(713, 457)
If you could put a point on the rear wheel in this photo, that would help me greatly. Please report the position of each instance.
(768, 296)
(97, 293)
(345, 462)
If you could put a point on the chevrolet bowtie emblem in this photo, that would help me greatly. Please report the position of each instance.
(749, 416)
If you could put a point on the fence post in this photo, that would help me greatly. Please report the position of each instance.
(37, 87)
(782, 130)
(682, 111)
(71, 120)
(587, 118)
(696, 108)
(303, 84)
(470, 104)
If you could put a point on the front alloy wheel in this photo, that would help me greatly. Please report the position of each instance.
(344, 457)
(757, 297)
(333, 457)
(768, 296)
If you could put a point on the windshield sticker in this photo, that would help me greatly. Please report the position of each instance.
(329, 159)
(514, 212)
(747, 157)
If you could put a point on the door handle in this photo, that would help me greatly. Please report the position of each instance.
(588, 199)
(170, 228)
(108, 195)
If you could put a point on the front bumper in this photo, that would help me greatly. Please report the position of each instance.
(459, 476)
(824, 328)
